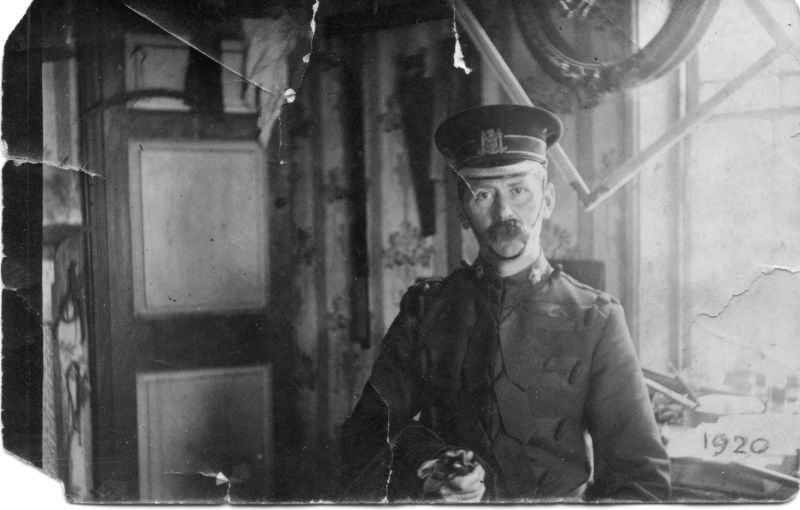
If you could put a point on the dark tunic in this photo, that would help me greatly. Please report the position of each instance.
(521, 370)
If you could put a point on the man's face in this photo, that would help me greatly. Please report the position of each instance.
(506, 213)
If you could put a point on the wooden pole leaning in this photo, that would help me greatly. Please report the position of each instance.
(513, 88)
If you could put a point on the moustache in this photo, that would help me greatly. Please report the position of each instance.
(508, 230)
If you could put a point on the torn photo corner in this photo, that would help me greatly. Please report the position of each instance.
(237, 270)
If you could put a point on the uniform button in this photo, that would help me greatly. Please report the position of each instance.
(576, 372)
(591, 315)
(544, 478)
(559, 428)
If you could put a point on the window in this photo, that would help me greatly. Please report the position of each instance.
(733, 219)
(743, 208)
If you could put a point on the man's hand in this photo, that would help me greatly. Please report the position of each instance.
(454, 477)
(667, 411)
(464, 489)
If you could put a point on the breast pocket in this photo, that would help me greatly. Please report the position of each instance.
(558, 388)
(558, 372)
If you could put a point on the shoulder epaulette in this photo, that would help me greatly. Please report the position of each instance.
(420, 294)
(601, 297)
(426, 284)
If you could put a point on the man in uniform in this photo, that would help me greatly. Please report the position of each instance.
(508, 380)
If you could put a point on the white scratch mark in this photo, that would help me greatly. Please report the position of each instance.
(389, 443)
(307, 58)
(237, 240)
(315, 8)
(219, 478)
(466, 182)
(458, 55)
(188, 42)
(764, 272)
(391, 452)
(20, 160)
(280, 135)
(31, 306)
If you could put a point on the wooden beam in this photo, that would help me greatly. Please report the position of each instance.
(633, 166)
(347, 24)
(769, 474)
(622, 174)
(514, 89)
(771, 26)
(673, 395)
(619, 177)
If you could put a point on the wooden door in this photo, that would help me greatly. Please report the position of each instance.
(131, 335)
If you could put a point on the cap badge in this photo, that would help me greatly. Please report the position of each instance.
(491, 142)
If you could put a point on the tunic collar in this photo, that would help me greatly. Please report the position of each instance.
(533, 274)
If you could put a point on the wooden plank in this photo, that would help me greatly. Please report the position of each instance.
(372, 158)
(619, 177)
(633, 166)
(191, 421)
(353, 126)
(514, 89)
(770, 24)
(677, 397)
(770, 474)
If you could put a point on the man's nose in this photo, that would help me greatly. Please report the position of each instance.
(502, 207)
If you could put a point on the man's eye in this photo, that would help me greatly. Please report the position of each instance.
(519, 191)
(483, 195)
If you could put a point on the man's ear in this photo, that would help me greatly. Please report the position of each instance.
(462, 216)
(549, 199)
(462, 212)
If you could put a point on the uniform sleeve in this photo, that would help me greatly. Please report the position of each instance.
(630, 462)
(380, 435)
